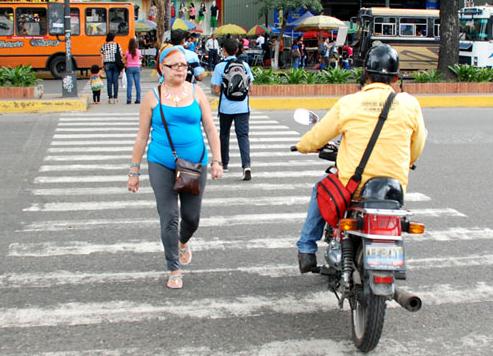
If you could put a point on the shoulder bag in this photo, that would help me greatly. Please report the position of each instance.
(333, 198)
(120, 65)
(187, 176)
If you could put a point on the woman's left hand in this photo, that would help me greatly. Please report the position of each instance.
(216, 171)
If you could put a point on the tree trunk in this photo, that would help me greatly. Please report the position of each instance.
(449, 37)
(161, 20)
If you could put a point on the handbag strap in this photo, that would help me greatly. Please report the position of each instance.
(165, 124)
(373, 139)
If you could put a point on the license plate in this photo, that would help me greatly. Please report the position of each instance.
(378, 256)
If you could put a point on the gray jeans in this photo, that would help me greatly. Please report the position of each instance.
(162, 180)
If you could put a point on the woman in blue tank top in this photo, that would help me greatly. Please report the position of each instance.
(186, 110)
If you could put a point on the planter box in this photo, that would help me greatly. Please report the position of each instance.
(35, 92)
(344, 89)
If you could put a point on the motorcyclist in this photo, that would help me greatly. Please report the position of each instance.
(354, 117)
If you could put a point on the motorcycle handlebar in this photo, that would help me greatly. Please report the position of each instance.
(293, 149)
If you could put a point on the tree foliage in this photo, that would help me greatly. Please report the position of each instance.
(287, 5)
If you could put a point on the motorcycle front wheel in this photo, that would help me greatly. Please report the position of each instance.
(367, 315)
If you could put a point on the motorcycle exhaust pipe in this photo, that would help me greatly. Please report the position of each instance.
(407, 300)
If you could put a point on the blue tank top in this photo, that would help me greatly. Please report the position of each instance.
(185, 130)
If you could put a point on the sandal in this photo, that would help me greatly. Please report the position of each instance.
(175, 281)
(185, 255)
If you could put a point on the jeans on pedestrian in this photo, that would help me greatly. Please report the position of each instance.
(296, 62)
(112, 75)
(213, 58)
(313, 228)
(241, 128)
(133, 75)
(162, 180)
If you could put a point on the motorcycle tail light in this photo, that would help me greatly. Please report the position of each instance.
(348, 224)
(382, 225)
(383, 279)
(416, 228)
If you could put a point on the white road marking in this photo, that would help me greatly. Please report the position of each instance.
(253, 129)
(137, 204)
(131, 117)
(124, 166)
(122, 135)
(217, 221)
(129, 148)
(59, 278)
(215, 308)
(84, 123)
(124, 178)
(438, 212)
(131, 142)
(458, 234)
(289, 200)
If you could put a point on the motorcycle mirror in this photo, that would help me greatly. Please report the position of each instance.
(305, 117)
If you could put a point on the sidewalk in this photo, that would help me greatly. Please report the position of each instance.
(53, 102)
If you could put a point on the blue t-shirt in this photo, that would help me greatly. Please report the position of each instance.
(184, 124)
(228, 106)
(192, 57)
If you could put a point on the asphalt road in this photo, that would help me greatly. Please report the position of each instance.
(82, 267)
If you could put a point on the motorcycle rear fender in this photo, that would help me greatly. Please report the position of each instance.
(385, 290)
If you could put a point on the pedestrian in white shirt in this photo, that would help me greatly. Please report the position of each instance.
(260, 41)
(212, 48)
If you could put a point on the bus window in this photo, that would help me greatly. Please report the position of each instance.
(436, 28)
(96, 22)
(119, 21)
(385, 26)
(75, 21)
(6, 22)
(31, 21)
(413, 27)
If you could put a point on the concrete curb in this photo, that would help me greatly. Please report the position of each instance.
(323, 103)
(44, 105)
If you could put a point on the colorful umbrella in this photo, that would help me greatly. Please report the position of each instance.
(145, 26)
(229, 29)
(258, 30)
(180, 24)
(320, 22)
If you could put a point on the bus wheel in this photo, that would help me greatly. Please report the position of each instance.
(57, 66)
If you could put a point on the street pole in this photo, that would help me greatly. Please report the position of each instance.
(69, 82)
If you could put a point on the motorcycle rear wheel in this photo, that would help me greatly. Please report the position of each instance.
(367, 316)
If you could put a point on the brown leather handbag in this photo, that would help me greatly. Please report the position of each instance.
(187, 178)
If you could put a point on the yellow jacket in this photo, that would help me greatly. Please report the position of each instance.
(354, 116)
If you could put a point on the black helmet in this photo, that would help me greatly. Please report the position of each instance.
(383, 60)
(383, 188)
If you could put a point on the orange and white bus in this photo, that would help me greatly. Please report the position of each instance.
(25, 39)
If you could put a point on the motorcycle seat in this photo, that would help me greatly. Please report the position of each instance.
(377, 204)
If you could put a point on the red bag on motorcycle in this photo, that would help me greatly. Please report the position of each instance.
(333, 198)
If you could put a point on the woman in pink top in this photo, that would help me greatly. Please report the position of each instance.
(133, 63)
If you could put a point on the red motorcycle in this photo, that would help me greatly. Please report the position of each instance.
(365, 254)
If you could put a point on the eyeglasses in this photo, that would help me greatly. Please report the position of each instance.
(176, 66)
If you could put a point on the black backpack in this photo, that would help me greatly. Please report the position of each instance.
(236, 82)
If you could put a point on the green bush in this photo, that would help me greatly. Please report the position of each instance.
(356, 73)
(264, 76)
(335, 76)
(428, 76)
(21, 76)
(293, 76)
(467, 73)
(484, 75)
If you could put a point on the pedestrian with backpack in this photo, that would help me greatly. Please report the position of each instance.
(231, 80)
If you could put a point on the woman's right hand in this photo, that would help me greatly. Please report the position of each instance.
(133, 184)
